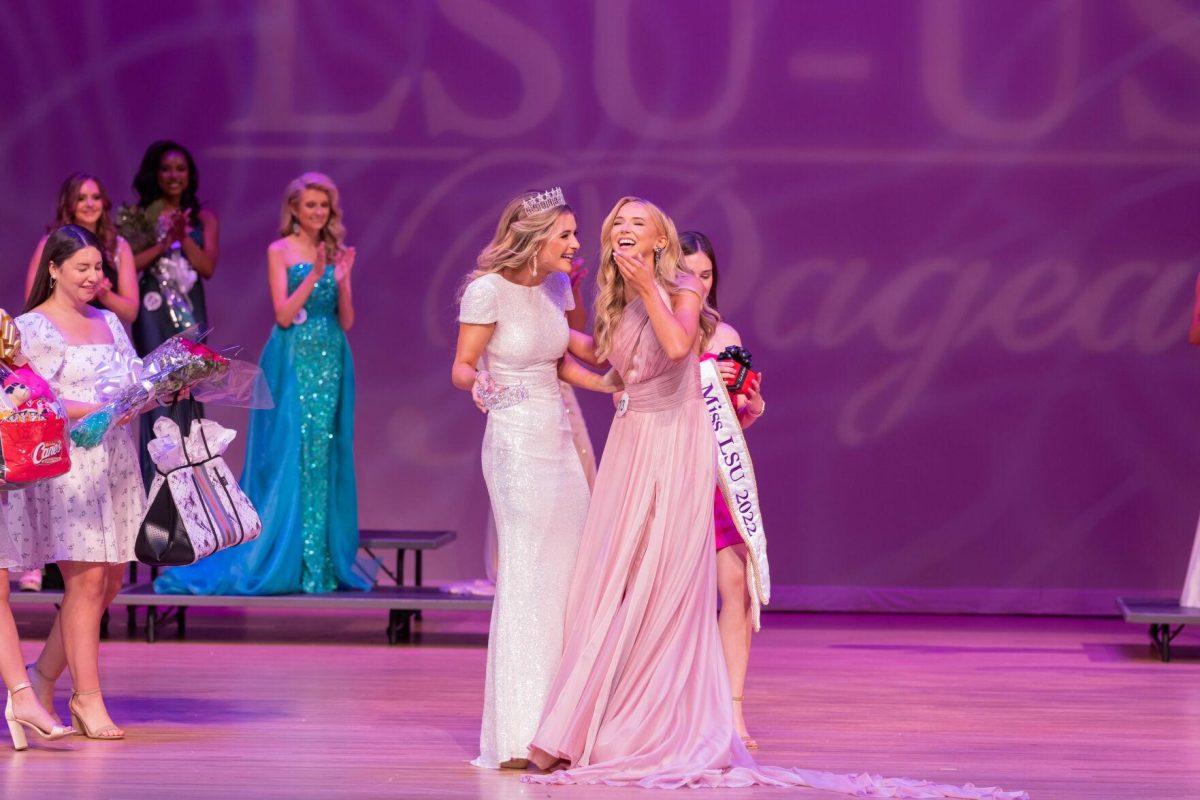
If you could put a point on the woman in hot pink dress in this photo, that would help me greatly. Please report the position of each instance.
(736, 618)
(642, 696)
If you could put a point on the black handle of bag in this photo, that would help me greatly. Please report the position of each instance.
(194, 418)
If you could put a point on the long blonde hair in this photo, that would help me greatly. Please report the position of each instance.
(610, 294)
(517, 239)
(333, 235)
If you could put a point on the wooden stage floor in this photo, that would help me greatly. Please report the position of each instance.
(263, 705)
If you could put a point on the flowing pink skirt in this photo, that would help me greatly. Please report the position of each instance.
(642, 696)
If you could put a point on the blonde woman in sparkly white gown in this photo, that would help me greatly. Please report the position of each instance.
(513, 316)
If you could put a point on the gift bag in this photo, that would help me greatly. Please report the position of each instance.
(196, 507)
(33, 425)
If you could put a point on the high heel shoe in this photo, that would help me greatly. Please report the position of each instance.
(107, 733)
(15, 723)
(37, 677)
(747, 740)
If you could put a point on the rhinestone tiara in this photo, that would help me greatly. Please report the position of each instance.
(542, 201)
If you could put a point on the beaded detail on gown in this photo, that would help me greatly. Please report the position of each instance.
(642, 694)
(539, 498)
(299, 470)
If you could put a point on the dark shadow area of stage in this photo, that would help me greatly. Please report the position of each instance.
(274, 626)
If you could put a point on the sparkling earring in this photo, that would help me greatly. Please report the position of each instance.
(658, 251)
(533, 267)
(295, 226)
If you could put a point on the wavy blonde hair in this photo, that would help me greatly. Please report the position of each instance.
(610, 294)
(517, 239)
(333, 235)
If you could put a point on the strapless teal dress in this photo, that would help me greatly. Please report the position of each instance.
(299, 470)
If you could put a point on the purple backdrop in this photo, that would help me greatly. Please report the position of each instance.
(960, 239)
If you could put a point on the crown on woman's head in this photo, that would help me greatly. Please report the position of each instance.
(542, 201)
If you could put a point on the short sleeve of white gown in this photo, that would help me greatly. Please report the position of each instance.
(566, 297)
(41, 344)
(479, 305)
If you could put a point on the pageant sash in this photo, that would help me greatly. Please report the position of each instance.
(735, 477)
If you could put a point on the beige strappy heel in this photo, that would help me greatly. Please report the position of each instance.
(16, 725)
(37, 678)
(107, 733)
(747, 740)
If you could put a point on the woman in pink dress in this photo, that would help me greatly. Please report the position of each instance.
(641, 696)
(736, 618)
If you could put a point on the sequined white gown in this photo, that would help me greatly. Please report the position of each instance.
(539, 499)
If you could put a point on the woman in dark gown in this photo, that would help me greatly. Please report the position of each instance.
(173, 262)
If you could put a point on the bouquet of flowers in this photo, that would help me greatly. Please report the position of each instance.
(139, 226)
(33, 425)
(177, 365)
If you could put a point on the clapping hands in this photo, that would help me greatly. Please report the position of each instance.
(343, 263)
(177, 226)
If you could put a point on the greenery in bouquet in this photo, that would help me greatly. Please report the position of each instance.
(140, 226)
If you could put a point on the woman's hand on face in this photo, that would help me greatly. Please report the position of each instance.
(103, 288)
(636, 272)
(343, 264)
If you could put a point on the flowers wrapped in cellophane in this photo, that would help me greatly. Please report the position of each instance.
(177, 365)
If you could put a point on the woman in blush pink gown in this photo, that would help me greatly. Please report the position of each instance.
(641, 696)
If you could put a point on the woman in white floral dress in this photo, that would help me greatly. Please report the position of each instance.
(86, 520)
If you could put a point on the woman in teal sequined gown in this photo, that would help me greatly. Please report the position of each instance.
(299, 470)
